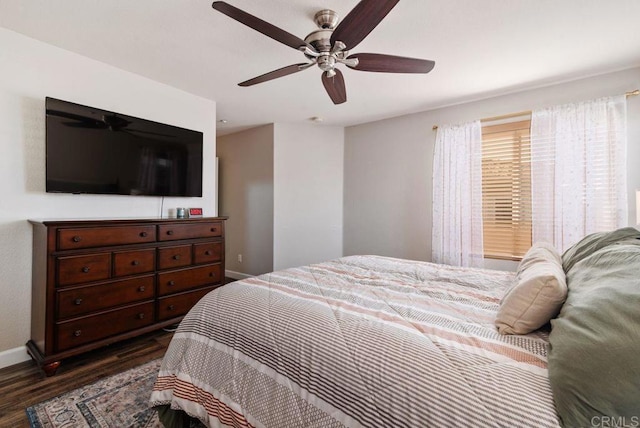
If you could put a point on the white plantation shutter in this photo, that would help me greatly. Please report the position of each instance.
(506, 190)
(578, 162)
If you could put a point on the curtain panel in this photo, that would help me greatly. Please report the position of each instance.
(578, 170)
(457, 196)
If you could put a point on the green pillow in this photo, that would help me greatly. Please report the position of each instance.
(593, 242)
(594, 359)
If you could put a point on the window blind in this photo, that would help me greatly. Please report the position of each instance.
(506, 189)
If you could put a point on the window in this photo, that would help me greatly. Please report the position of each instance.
(506, 189)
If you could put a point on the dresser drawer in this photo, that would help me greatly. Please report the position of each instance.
(83, 300)
(134, 262)
(185, 279)
(180, 304)
(77, 269)
(88, 237)
(78, 332)
(174, 257)
(170, 232)
(207, 252)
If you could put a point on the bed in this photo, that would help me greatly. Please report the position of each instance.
(360, 341)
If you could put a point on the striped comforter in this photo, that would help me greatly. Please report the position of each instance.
(361, 341)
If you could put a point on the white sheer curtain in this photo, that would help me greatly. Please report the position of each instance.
(578, 170)
(457, 196)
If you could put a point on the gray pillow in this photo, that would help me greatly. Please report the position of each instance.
(593, 242)
(594, 360)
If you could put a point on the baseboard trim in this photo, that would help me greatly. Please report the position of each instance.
(236, 275)
(13, 356)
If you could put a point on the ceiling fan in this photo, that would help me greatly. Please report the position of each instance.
(330, 45)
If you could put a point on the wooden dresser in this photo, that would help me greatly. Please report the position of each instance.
(96, 282)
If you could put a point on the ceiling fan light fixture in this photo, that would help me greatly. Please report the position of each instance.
(326, 62)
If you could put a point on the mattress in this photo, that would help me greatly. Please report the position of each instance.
(360, 341)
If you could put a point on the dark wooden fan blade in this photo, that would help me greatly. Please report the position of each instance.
(258, 24)
(361, 21)
(390, 63)
(335, 87)
(281, 72)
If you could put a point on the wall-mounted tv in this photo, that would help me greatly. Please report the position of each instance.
(90, 150)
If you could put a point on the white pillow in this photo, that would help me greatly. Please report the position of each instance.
(539, 290)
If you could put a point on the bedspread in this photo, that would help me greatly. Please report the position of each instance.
(360, 341)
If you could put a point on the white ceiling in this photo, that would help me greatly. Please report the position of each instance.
(481, 49)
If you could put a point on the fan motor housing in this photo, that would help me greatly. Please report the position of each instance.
(320, 40)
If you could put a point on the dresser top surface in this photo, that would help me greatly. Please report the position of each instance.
(122, 220)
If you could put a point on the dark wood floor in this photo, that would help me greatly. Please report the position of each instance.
(24, 384)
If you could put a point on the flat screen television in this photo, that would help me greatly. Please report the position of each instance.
(95, 151)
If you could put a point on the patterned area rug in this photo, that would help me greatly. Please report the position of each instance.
(121, 400)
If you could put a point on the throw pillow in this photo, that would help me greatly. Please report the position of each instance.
(537, 294)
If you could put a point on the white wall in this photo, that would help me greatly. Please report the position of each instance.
(246, 197)
(388, 164)
(308, 183)
(385, 199)
(30, 71)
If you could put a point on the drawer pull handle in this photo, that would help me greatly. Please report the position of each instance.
(141, 288)
(169, 232)
(213, 229)
(171, 307)
(212, 274)
(207, 253)
(176, 257)
(76, 239)
(77, 302)
(135, 263)
(140, 316)
(86, 269)
(170, 283)
(143, 234)
(77, 333)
